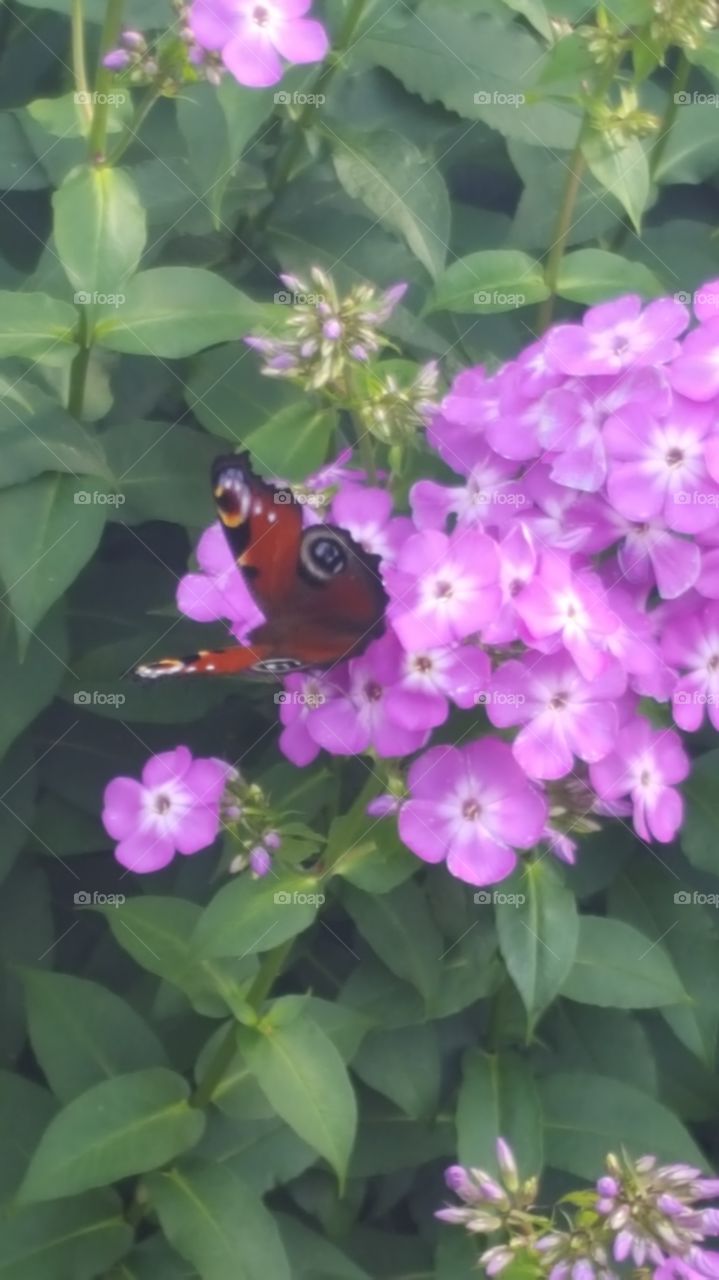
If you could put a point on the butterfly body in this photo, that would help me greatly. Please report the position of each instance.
(320, 592)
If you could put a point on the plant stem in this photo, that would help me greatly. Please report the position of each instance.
(103, 82)
(366, 453)
(79, 63)
(79, 368)
(269, 971)
(142, 111)
(562, 228)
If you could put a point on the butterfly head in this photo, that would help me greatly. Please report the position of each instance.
(232, 492)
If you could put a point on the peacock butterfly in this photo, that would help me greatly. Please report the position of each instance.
(321, 593)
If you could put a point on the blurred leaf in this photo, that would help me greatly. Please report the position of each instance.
(37, 435)
(81, 1033)
(400, 188)
(159, 471)
(592, 275)
(692, 151)
(398, 926)
(247, 916)
(18, 784)
(586, 1116)
(222, 379)
(25, 1110)
(36, 327)
(305, 1080)
(18, 169)
(32, 683)
(538, 937)
(498, 1099)
(484, 283)
(218, 1223)
(128, 1124)
(404, 1065)
(698, 833)
(76, 1238)
(617, 965)
(48, 531)
(622, 170)
(176, 311)
(100, 230)
(293, 442)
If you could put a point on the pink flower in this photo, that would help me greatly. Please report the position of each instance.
(695, 372)
(690, 642)
(428, 678)
(706, 301)
(646, 765)
(562, 714)
(303, 696)
(616, 335)
(560, 606)
(471, 807)
(444, 588)
(253, 37)
(220, 590)
(367, 515)
(176, 808)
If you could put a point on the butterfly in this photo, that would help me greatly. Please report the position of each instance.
(321, 593)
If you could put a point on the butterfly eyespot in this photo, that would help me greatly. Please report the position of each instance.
(323, 555)
(233, 497)
(277, 666)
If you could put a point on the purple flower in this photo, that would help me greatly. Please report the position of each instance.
(471, 807)
(616, 335)
(304, 695)
(429, 677)
(695, 372)
(253, 37)
(367, 514)
(562, 714)
(560, 606)
(646, 765)
(176, 808)
(220, 590)
(444, 588)
(690, 642)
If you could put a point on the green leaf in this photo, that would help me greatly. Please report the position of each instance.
(607, 1042)
(37, 435)
(400, 187)
(221, 379)
(218, 1223)
(538, 936)
(217, 122)
(403, 1064)
(692, 151)
(42, 556)
(125, 1125)
(81, 1033)
(593, 275)
(100, 231)
(174, 311)
(248, 916)
(18, 785)
(498, 1099)
(73, 1240)
(158, 469)
(29, 685)
(37, 327)
(698, 833)
(400, 929)
(621, 170)
(25, 1110)
(618, 966)
(293, 442)
(484, 283)
(585, 1116)
(305, 1080)
(475, 65)
(317, 1257)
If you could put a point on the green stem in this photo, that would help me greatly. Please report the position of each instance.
(142, 111)
(562, 228)
(79, 368)
(103, 82)
(366, 453)
(681, 80)
(79, 62)
(269, 971)
(321, 83)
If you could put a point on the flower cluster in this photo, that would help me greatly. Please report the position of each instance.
(641, 1211)
(564, 573)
